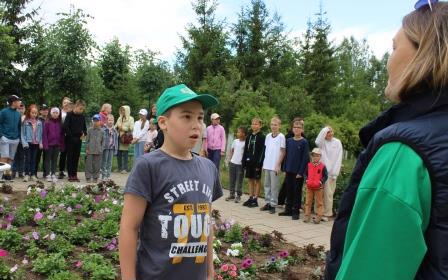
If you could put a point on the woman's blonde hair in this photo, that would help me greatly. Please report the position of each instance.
(428, 30)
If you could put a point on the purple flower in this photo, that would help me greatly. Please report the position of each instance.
(69, 209)
(98, 198)
(111, 247)
(35, 235)
(78, 264)
(273, 259)
(38, 216)
(26, 237)
(78, 206)
(43, 193)
(114, 241)
(2, 209)
(9, 217)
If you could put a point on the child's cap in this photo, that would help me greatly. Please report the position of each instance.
(43, 107)
(96, 118)
(180, 94)
(215, 116)
(143, 112)
(54, 110)
(316, 151)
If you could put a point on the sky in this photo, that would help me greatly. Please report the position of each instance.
(157, 24)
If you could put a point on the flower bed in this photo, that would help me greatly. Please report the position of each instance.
(72, 233)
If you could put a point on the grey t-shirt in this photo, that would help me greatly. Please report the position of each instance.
(176, 224)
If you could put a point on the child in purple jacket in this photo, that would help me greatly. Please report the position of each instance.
(53, 142)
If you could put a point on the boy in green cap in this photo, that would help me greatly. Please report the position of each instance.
(168, 196)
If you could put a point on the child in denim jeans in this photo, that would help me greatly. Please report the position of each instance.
(110, 147)
(236, 172)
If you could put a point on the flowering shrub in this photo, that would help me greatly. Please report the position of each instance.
(235, 250)
(227, 271)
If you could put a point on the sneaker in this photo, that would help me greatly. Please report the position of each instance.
(317, 220)
(54, 178)
(307, 219)
(253, 203)
(285, 213)
(324, 219)
(247, 202)
(25, 178)
(124, 172)
(62, 175)
(230, 197)
(49, 178)
(266, 207)
(237, 199)
(272, 210)
(295, 216)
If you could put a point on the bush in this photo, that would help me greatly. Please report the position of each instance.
(49, 264)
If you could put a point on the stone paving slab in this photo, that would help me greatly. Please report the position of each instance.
(295, 232)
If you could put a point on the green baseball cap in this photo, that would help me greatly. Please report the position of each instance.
(179, 94)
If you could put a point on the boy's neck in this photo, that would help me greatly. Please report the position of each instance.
(298, 137)
(175, 152)
(275, 133)
(255, 132)
(242, 139)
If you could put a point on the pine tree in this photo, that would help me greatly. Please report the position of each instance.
(205, 47)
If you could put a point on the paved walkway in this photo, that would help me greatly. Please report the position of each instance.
(296, 232)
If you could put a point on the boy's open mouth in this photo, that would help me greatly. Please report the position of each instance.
(194, 136)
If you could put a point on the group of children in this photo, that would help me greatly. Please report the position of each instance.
(251, 154)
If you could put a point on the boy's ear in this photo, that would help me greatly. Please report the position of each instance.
(162, 122)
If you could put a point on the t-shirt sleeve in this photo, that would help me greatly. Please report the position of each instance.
(139, 181)
(283, 141)
(217, 188)
(389, 218)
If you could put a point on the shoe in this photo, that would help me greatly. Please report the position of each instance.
(317, 220)
(272, 210)
(295, 216)
(253, 203)
(54, 178)
(35, 178)
(285, 213)
(307, 219)
(25, 179)
(247, 202)
(49, 178)
(237, 199)
(324, 219)
(124, 172)
(21, 176)
(62, 175)
(266, 207)
(230, 197)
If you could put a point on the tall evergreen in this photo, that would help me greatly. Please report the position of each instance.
(204, 49)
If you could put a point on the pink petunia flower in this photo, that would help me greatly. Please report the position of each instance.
(78, 264)
(38, 216)
(283, 254)
(78, 206)
(233, 273)
(43, 193)
(232, 267)
(35, 235)
(3, 253)
(224, 267)
(69, 209)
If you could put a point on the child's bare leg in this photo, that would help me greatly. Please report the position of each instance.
(251, 187)
(257, 187)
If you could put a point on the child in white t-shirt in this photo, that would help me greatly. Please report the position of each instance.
(236, 172)
(275, 144)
